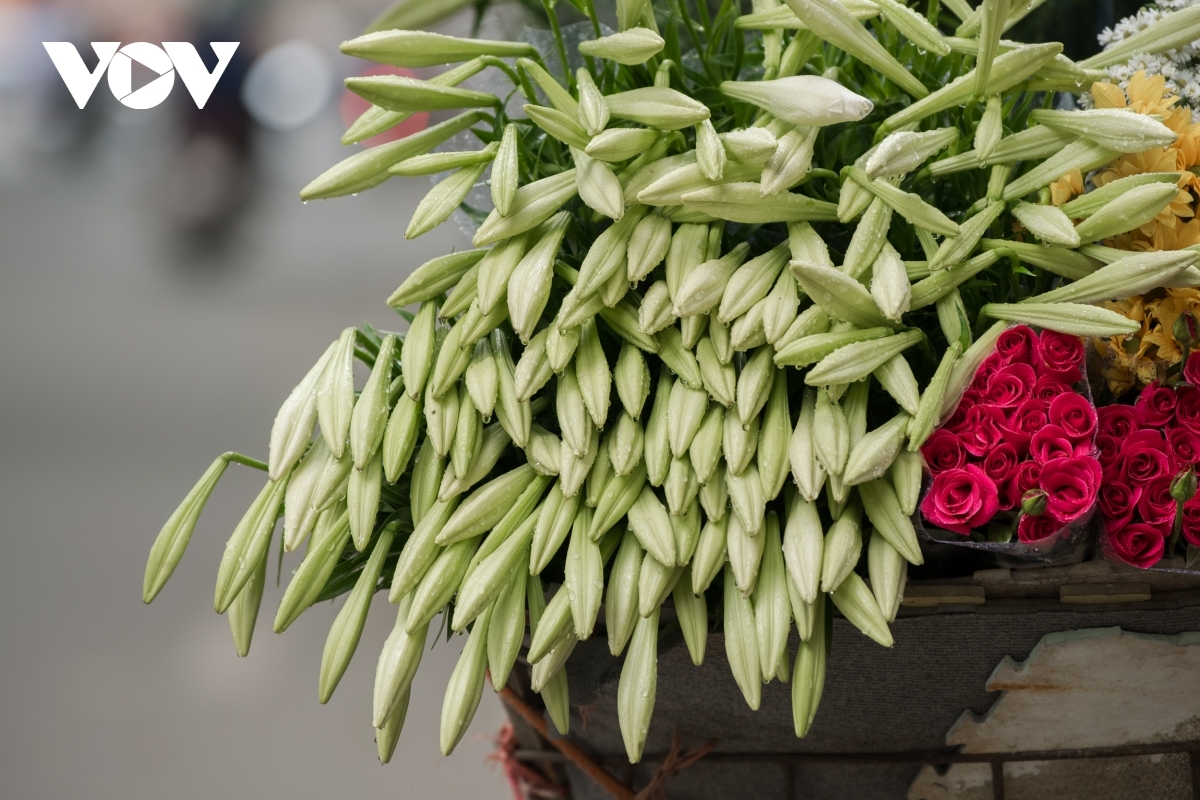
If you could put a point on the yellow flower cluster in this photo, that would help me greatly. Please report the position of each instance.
(1176, 226)
(1145, 356)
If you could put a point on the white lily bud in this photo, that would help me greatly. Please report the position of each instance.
(593, 111)
(750, 145)
(657, 107)
(633, 46)
(890, 288)
(293, 424)
(710, 154)
(598, 186)
(802, 99)
(904, 151)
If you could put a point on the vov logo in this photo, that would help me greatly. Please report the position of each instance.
(164, 61)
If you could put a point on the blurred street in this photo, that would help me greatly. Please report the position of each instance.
(129, 361)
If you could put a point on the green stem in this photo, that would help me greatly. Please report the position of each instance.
(558, 39)
(520, 80)
(691, 29)
(246, 461)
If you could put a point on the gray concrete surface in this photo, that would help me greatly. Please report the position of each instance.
(123, 371)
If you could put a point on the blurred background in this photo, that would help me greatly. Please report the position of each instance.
(161, 291)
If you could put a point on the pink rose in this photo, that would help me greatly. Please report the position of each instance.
(1156, 506)
(984, 372)
(1191, 370)
(1049, 443)
(1071, 485)
(983, 429)
(1191, 521)
(957, 423)
(1144, 457)
(1187, 407)
(1036, 529)
(1108, 450)
(1024, 478)
(1185, 447)
(942, 451)
(1118, 501)
(1075, 415)
(1118, 421)
(1060, 354)
(1155, 406)
(961, 499)
(1023, 422)
(1010, 385)
(1000, 465)
(1017, 345)
(1137, 544)
(1048, 387)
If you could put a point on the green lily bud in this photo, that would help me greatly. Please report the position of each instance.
(657, 446)
(427, 475)
(905, 151)
(780, 308)
(597, 185)
(743, 202)
(906, 477)
(890, 288)
(514, 414)
(941, 283)
(815, 347)
(551, 665)
(423, 49)
(362, 500)
(440, 582)
(722, 339)
(1075, 319)
(299, 513)
(632, 46)
(702, 288)
(705, 449)
(741, 642)
(805, 245)
(739, 443)
(908, 205)
(1034, 143)
(467, 436)
(720, 380)
(807, 470)
(1048, 223)
(593, 112)
(842, 548)
(532, 205)
(870, 235)
(1087, 204)
(1130, 210)
(555, 623)
(399, 93)
(400, 437)
(331, 483)
(747, 499)
(482, 381)
(376, 120)
(807, 100)
(678, 359)
(559, 97)
(572, 413)
(1083, 155)
(854, 599)
(774, 439)
(840, 295)
(954, 249)
(754, 384)
(831, 434)
(544, 451)
(990, 128)
(619, 144)
(493, 442)
(883, 508)
(573, 467)
(249, 543)
(417, 352)
(657, 107)
(669, 189)
(808, 676)
(772, 611)
(710, 153)
(329, 540)
(441, 418)
(369, 417)
(335, 393)
(397, 665)
(1113, 128)
(681, 486)
(172, 540)
(686, 528)
(497, 267)
(804, 547)
(855, 361)
(293, 426)
(745, 551)
(915, 27)
(654, 313)
(554, 519)
(648, 245)
(688, 249)
(621, 602)
(655, 583)
(465, 686)
(387, 736)
(618, 495)
(692, 611)
(751, 283)
(649, 521)
(791, 161)
(632, 378)
(636, 689)
(875, 452)
(592, 373)
(933, 400)
(625, 445)
(896, 377)
(1168, 32)
(347, 627)
(685, 413)
(490, 573)
(750, 145)
(554, 693)
(505, 171)
(710, 551)
(533, 371)
(599, 476)
(560, 347)
(506, 629)
(485, 506)
(952, 318)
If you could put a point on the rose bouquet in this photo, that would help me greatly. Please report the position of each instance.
(1016, 459)
(1149, 452)
(735, 269)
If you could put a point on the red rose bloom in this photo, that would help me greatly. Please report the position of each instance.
(1010, 385)
(1137, 544)
(1187, 407)
(1060, 354)
(1036, 529)
(1144, 457)
(1156, 506)
(1017, 345)
(1000, 465)
(1191, 370)
(1184, 447)
(1023, 422)
(984, 372)
(1191, 521)
(942, 451)
(1048, 387)
(983, 429)
(1118, 421)
(1049, 443)
(1024, 478)
(1071, 485)
(1108, 450)
(1155, 406)
(961, 499)
(1075, 415)
(1118, 501)
(958, 420)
